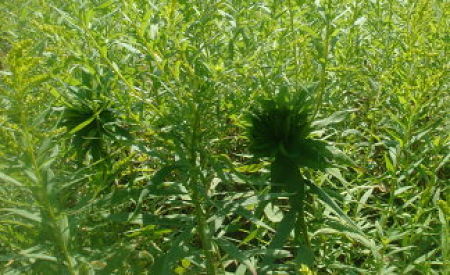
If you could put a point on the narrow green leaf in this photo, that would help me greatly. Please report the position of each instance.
(235, 253)
(85, 123)
(323, 196)
(160, 176)
(336, 117)
(8, 179)
(283, 230)
(23, 213)
(147, 219)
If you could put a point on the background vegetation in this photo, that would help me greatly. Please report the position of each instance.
(123, 147)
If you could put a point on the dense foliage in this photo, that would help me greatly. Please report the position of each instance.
(127, 143)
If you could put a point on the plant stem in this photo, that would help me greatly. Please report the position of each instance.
(47, 211)
(41, 194)
(286, 172)
(203, 228)
(323, 71)
(204, 234)
(301, 229)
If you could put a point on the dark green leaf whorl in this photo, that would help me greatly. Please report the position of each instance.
(93, 122)
(278, 124)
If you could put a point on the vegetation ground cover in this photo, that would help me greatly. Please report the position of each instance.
(125, 145)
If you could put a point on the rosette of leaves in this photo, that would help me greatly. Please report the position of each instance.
(94, 125)
(280, 129)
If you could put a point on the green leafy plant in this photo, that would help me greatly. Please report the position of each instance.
(280, 129)
(93, 124)
(29, 173)
(183, 195)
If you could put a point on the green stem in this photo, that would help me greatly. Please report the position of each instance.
(204, 231)
(286, 172)
(42, 197)
(205, 235)
(323, 71)
(47, 211)
(301, 229)
(294, 45)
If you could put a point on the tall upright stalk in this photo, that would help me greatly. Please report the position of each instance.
(280, 129)
(196, 186)
(39, 182)
(301, 229)
(286, 172)
(323, 71)
(49, 217)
